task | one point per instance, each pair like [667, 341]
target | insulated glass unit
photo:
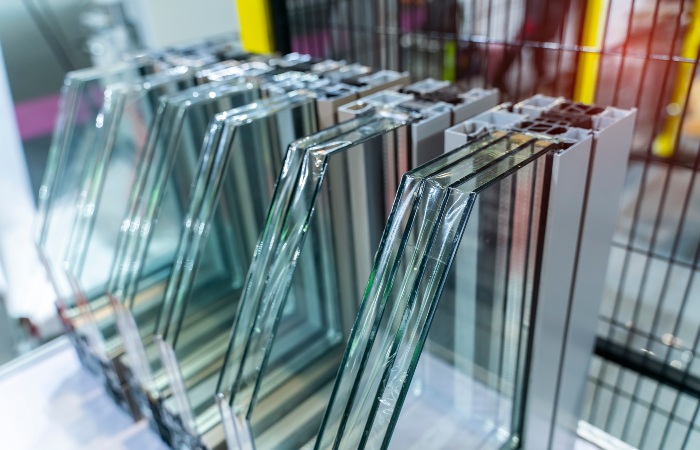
[454, 276]
[304, 284]
[243, 152]
[147, 237]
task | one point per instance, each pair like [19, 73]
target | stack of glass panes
[211, 231]
[183, 396]
[139, 146]
[513, 184]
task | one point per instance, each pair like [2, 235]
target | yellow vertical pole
[592, 43]
[449, 62]
[665, 142]
[256, 25]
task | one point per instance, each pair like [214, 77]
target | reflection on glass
[301, 294]
[479, 204]
[234, 182]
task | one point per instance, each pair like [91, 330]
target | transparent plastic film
[394, 296]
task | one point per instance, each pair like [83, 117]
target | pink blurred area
[37, 117]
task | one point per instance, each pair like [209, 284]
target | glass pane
[106, 183]
[243, 153]
[306, 278]
[82, 101]
[143, 265]
[468, 381]
[158, 200]
[450, 208]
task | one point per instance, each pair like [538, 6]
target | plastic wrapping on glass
[480, 204]
[162, 176]
[300, 296]
[243, 153]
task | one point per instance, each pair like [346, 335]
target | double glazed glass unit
[193, 316]
[99, 109]
[96, 120]
[443, 334]
[302, 291]
[143, 258]
[105, 119]
[123, 126]
[77, 129]
[518, 200]
[243, 151]
[326, 211]
[126, 145]
[82, 99]
[134, 152]
[336, 267]
[226, 245]
[104, 113]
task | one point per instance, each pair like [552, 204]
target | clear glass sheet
[162, 177]
[243, 153]
[289, 336]
[82, 101]
[461, 205]
[70, 156]
[72, 149]
[120, 159]
[107, 179]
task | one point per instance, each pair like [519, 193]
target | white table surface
[49, 402]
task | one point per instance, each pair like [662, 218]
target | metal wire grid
[649, 328]
[650, 314]
[475, 42]
[669, 418]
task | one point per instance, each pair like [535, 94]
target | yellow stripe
[256, 26]
[592, 41]
[665, 143]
